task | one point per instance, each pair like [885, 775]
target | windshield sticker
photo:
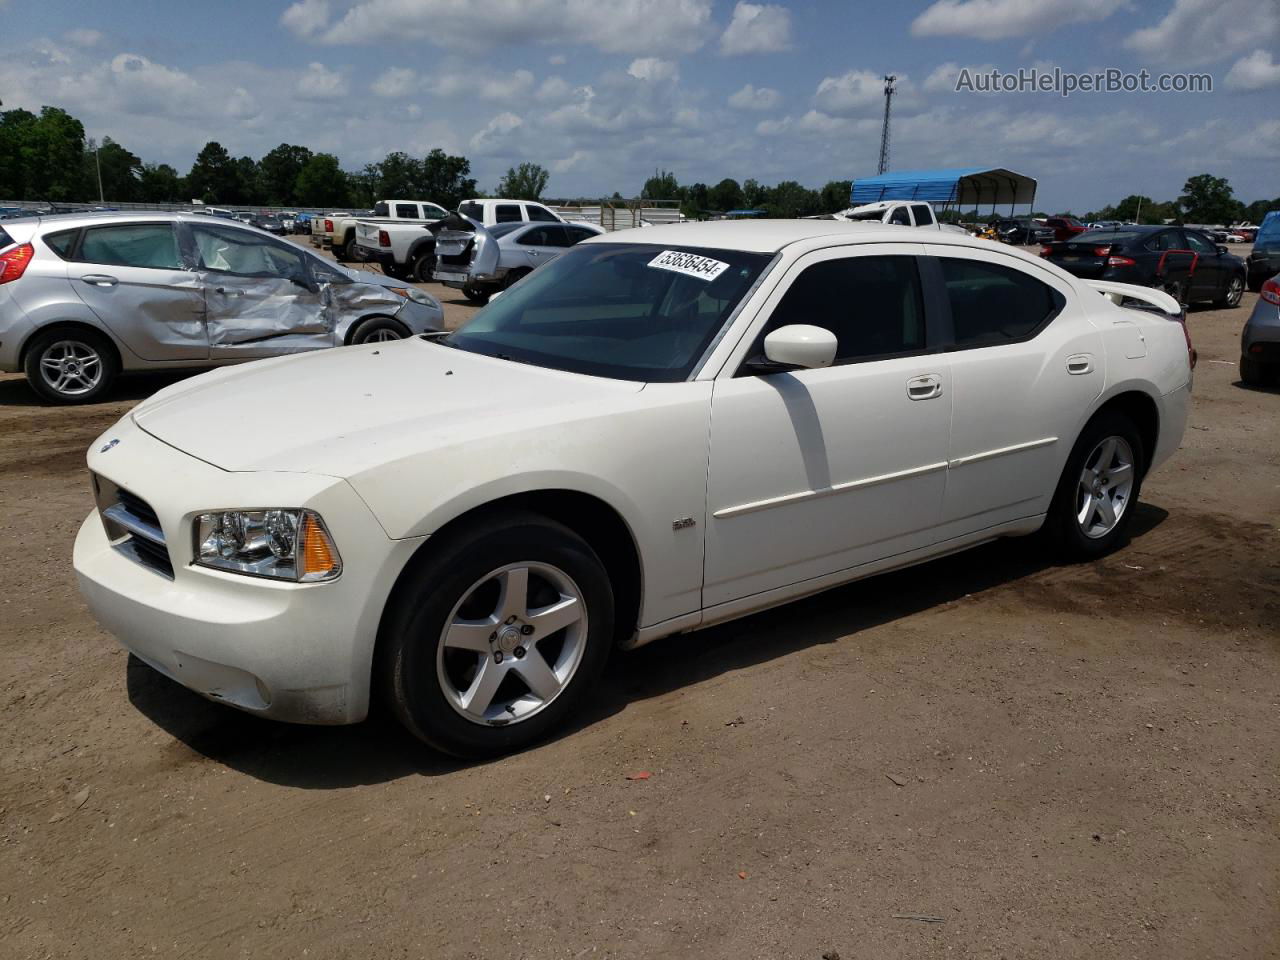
[690, 264]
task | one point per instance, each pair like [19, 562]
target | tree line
[784, 200]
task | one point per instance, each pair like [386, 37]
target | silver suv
[84, 297]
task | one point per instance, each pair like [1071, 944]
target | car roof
[91, 217]
[766, 236]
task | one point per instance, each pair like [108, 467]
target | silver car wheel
[511, 645]
[1106, 483]
[1235, 291]
[71, 367]
[381, 336]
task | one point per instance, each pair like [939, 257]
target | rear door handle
[1079, 364]
[924, 387]
[99, 280]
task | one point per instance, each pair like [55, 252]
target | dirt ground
[1047, 761]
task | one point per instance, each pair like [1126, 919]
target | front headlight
[414, 294]
[282, 544]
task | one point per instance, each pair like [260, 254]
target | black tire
[514, 277]
[49, 346]
[395, 271]
[424, 266]
[1252, 372]
[476, 294]
[412, 635]
[378, 330]
[1233, 293]
[340, 251]
[1062, 526]
[1174, 288]
[1255, 284]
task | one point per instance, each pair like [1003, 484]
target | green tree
[1208, 199]
[399, 177]
[1255, 211]
[753, 195]
[321, 182]
[54, 157]
[248, 181]
[525, 182]
[661, 186]
[213, 177]
[725, 195]
[120, 171]
[791, 199]
[835, 195]
[17, 133]
[160, 183]
[445, 179]
[278, 173]
[696, 202]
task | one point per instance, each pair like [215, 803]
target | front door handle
[1079, 364]
[924, 387]
[229, 293]
[99, 280]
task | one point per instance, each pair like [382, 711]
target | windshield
[628, 311]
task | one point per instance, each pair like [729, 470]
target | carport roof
[965, 186]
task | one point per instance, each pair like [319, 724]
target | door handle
[99, 280]
[925, 387]
[1079, 364]
[229, 293]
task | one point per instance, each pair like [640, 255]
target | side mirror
[801, 345]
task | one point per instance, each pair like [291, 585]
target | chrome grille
[132, 526]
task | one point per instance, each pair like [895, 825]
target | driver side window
[244, 254]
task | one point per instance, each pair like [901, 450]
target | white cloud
[1257, 71]
[395, 82]
[557, 59]
[1000, 19]
[554, 89]
[318, 82]
[487, 86]
[757, 28]
[850, 93]
[633, 26]
[83, 37]
[654, 70]
[494, 136]
[1202, 31]
[943, 78]
[755, 98]
[306, 18]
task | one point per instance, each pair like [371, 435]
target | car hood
[343, 411]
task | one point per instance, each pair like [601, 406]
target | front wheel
[1232, 295]
[1098, 492]
[379, 330]
[497, 637]
[71, 366]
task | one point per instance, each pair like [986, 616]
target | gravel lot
[1051, 761]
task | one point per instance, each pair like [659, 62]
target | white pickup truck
[906, 213]
[341, 231]
[407, 249]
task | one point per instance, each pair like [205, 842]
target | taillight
[1045, 251]
[1271, 292]
[1120, 262]
[1186, 335]
[328, 226]
[13, 263]
[1101, 251]
[384, 238]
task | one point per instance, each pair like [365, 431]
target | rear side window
[899, 215]
[506, 213]
[993, 304]
[540, 213]
[472, 210]
[1167, 240]
[60, 242]
[131, 245]
[407, 211]
[873, 305]
[537, 237]
[380, 210]
[923, 214]
[578, 234]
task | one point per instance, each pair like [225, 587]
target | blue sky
[602, 93]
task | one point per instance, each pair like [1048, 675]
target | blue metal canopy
[966, 187]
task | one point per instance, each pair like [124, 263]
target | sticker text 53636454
[690, 264]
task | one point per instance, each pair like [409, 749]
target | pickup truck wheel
[494, 640]
[1098, 492]
[70, 366]
[395, 271]
[476, 294]
[379, 330]
[423, 267]
[340, 251]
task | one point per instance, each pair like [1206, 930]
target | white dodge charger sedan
[659, 431]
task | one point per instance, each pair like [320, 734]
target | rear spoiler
[1118, 292]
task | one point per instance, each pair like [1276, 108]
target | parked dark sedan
[1184, 263]
[1024, 231]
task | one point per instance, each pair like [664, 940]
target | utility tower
[889, 81]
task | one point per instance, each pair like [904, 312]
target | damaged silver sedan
[84, 297]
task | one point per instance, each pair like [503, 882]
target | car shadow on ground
[379, 750]
[17, 392]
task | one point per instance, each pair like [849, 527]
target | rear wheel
[1098, 492]
[476, 294]
[513, 277]
[395, 271]
[1234, 292]
[71, 366]
[497, 638]
[1176, 289]
[341, 251]
[423, 267]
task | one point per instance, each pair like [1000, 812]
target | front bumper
[295, 652]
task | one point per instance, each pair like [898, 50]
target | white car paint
[740, 492]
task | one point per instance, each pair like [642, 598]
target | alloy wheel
[1235, 291]
[511, 645]
[381, 335]
[1106, 484]
[71, 367]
